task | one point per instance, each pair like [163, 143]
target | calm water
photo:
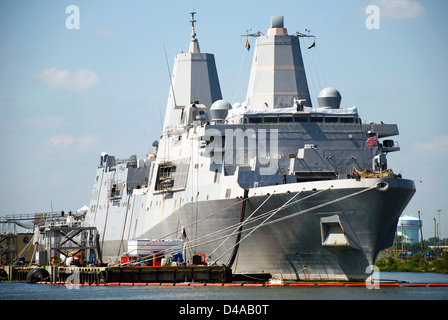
[25, 291]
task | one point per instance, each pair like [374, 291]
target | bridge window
[347, 120]
[255, 120]
[331, 119]
[285, 119]
[300, 119]
[316, 119]
[270, 119]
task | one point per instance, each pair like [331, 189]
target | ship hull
[327, 230]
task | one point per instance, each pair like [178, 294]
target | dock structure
[70, 241]
[171, 274]
[57, 236]
[15, 246]
[119, 274]
[66, 236]
[180, 276]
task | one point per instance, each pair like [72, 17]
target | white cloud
[436, 145]
[82, 80]
[48, 121]
[102, 32]
[88, 140]
[62, 140]
[401, 9]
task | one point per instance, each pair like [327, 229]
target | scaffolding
[65, 240]
[59, 238]
[69, 245]
[8, 248]
[10, 236]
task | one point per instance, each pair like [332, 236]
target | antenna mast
[193, 33]
[194, 45]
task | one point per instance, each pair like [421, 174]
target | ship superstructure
[271, 185]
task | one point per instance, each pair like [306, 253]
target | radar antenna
[193, 33]
[255, 34]
[302, 35]
[194, 45]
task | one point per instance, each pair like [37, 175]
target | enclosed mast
[194, 80]
[278, 74]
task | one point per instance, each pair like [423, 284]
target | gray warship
[272, 185]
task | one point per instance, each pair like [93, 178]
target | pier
[181, 276]
[214, 274]
[117, 274]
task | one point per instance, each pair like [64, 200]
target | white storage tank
[409, 227]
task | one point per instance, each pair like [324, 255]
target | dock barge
[169, 276]
[117, 274]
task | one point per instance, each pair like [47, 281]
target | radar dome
[219, 110]
[329, 98]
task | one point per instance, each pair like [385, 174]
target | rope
[175, 248]
[233, 256]
[265, 222]
[320, 206]
[192, 224]
[24, 249]
[253, 230]
[241, 224]
[243, 64]
[124, 226]
[132, 216]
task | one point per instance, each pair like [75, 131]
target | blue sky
[68, 95]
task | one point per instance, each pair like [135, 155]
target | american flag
[372, 141]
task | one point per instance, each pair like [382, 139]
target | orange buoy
[301, 284]
[381, 284]
[197, 284]
[126, 284]
[113, 284]
[438, 285]
[413, 285]
[329, 284]
[182, 284]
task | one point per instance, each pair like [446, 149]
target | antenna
[169, 75]
[255, 34]
[160, 116]
[193, 33]
[194, 45]
[302, 35]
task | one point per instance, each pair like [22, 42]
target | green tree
[439, 265]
